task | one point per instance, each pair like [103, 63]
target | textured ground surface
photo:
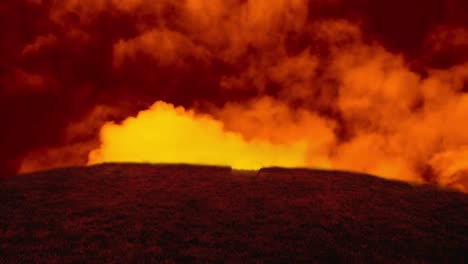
[145, 213]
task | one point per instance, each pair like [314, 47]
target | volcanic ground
[183, 213]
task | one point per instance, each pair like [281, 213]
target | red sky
[68, 66]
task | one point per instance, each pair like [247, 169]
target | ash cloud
[343, 74]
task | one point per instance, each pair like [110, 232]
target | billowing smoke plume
[372, 86]
[165, 134]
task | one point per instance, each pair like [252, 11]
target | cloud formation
[375, 87]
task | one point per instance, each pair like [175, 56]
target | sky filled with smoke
[372, 86]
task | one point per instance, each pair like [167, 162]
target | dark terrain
[181, 213]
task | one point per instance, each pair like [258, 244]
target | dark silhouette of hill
[183, 213]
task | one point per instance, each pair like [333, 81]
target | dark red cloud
[59, 61]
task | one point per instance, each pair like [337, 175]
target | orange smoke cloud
[329, 84]
[398, 124]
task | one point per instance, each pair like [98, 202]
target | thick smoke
[374, 86]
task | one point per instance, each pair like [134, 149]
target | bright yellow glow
[165, 134]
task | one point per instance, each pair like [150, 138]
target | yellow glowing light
[165, 134]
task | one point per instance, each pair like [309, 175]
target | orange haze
[400, 125]
[371, 86]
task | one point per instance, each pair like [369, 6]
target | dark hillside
[179, 213]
